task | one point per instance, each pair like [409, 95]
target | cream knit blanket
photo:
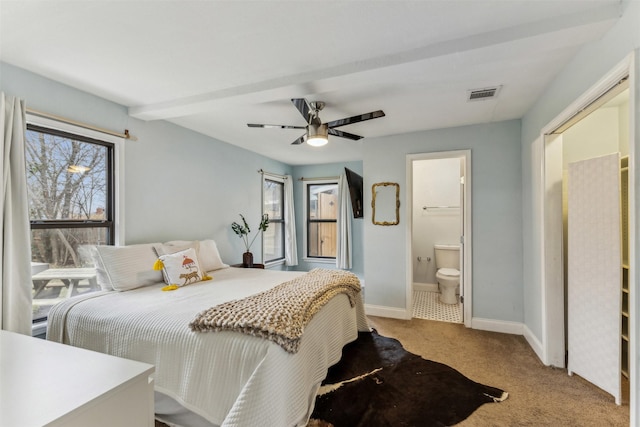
[281, 313]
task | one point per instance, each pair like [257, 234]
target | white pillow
[127, 267]
[101, 273]
[207, 253]
[182, 268]
[209, 256]
[176, 246]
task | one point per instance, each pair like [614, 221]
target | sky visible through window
[66, 178]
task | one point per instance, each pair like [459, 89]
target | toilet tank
[447, 256]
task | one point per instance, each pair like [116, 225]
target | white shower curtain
[290, 246]
[344, 252]
[15, 250]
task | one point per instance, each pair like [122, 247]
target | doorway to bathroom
[439, 246]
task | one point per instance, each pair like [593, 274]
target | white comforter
[228, 378]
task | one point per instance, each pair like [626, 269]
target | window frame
[117, 166]
[108, 222]
[280, 181]
[115, 191]
[307, 221]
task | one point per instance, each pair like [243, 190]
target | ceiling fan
[317, 132]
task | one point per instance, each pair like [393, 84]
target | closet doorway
[586, 184]
[439, 226]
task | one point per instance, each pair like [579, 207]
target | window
[70, 180]
[273, 205]
[321, 218]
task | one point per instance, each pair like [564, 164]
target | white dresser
[43, 383]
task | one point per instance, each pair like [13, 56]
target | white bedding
[227, 378]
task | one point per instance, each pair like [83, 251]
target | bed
[223, 378]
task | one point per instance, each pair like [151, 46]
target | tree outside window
[71, 204]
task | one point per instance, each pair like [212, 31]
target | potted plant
[243, 232]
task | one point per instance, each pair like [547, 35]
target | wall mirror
[385, 203]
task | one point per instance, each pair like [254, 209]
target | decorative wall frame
[385, 204]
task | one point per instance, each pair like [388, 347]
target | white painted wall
[594, 136]
[436, 182]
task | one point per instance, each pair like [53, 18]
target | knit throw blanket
[280, 314]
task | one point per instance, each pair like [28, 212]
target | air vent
[482, 94]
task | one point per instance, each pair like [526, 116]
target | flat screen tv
[355, 190]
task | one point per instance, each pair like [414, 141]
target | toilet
[448, 272]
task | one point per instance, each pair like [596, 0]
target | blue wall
[174, 190]
[179, 184]
[496, 216]
[590, 65]
[323, 171]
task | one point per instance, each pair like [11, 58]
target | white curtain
[15, 250]
[290, 246]
[344, 252]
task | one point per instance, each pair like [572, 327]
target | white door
[594, 272]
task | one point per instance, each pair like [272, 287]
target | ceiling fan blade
[343, 134]
[300, 140]
[254, 125]
[356, 119]
[303, 106]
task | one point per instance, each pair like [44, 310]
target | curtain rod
[318, 179]
[272, 174]
[124, 135]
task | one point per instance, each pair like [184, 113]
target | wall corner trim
[535, 344]
[382, 311]
[501, 326]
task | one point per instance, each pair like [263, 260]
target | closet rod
[124, 135]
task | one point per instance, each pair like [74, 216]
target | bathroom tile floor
[427, 305]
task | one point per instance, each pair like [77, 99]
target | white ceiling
[214, 66]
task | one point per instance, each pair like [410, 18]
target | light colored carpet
[538, 395]
[427, 305]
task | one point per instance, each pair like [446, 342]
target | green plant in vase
[243, 230]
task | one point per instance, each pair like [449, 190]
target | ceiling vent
[483, 94]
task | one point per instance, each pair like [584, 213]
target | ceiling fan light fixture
[318, 135]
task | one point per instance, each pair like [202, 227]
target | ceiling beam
[553, 27]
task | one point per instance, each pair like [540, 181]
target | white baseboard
[427, 287]
[502, 326]
[491, 325]
[382, 311]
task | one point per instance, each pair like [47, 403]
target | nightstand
[254, 266]
[46, 383]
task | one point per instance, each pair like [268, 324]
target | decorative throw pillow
[180, 269]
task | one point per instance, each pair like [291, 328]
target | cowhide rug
[378, 383]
